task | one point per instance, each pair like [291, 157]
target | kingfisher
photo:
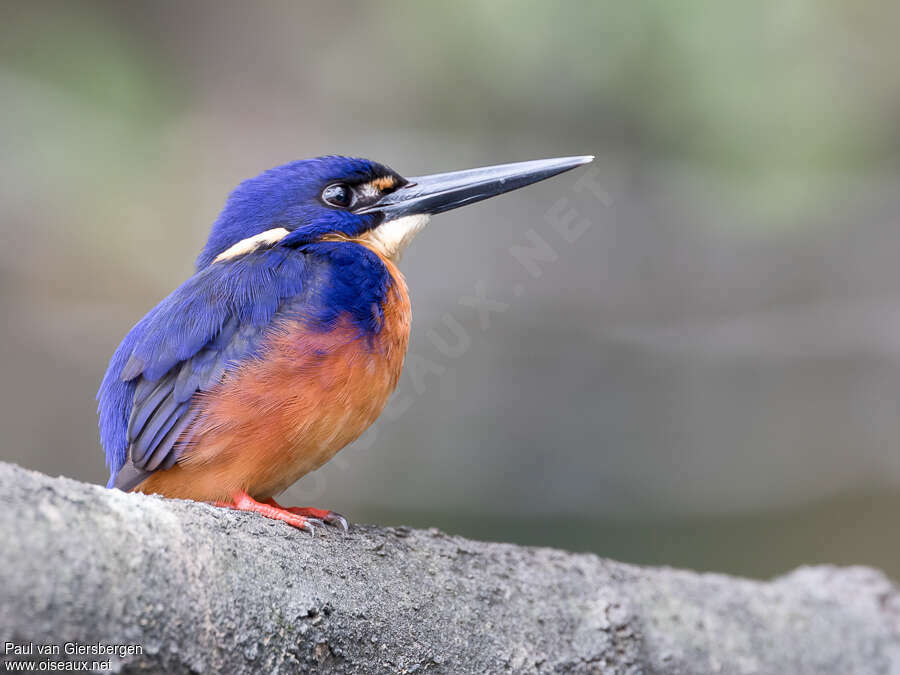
[287, 341]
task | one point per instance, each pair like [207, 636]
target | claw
[315, 521]
[337, 520]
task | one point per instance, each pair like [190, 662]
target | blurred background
[704, 372]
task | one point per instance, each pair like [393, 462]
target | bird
[288, 339]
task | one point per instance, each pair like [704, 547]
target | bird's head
[349, 198]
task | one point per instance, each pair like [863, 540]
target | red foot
[321, 515]
[241, 501]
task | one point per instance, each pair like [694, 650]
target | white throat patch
[391, 238]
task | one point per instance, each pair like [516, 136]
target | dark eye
[338, 194]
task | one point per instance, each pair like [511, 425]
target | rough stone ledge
[202, 589]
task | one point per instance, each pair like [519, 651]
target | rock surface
[207, 590]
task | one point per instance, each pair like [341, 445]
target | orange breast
[288, 412]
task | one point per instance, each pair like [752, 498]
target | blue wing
[212, 322]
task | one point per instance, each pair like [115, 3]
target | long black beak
[444, 191]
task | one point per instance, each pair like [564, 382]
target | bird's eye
[338, 194]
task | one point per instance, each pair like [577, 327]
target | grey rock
[208, 590]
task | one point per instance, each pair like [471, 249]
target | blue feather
[147, 445]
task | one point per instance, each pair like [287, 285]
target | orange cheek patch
[383, 183]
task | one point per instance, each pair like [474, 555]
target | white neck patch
[391, 238]
[249, 244]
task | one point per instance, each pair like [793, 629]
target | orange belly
[280, 416]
